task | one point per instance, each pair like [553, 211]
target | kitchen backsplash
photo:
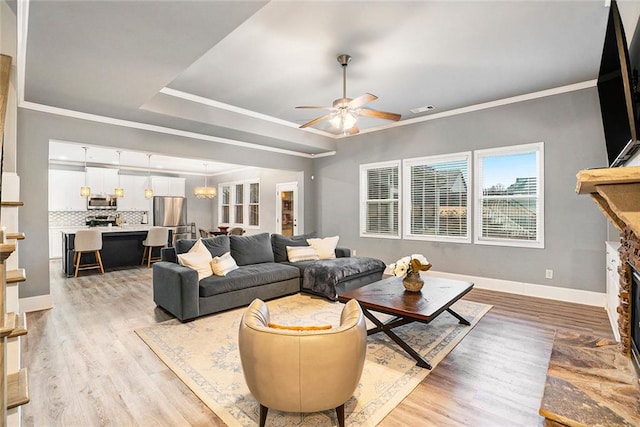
[78, 218]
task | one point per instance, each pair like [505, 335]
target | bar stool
[157, 237]
[87, 241]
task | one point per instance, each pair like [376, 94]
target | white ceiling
[238, 69]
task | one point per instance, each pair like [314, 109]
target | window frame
[479, 155]
[364, 168]
[407, 164]
[232, 205]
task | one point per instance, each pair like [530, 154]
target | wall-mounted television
[616, 90]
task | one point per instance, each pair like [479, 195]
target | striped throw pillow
[223, 264]
[301, 253]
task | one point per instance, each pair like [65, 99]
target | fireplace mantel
[616, 191]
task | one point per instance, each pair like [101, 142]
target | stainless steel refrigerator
[171, 212]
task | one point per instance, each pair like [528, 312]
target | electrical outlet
[354, 252]
[548, 273]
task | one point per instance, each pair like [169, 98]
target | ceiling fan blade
[379, 114]
[361, 100]
[316, 107]
[316, 120]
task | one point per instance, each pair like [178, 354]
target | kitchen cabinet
[134, 199]
[167, 186]
[102, 180]
[64, 191]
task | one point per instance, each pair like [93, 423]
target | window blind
[438, 196]
[381, 201]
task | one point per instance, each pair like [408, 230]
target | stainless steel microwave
[102, 202]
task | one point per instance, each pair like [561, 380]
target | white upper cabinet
[64, 191]
[102, 180]
[133, 199]
[168, 186]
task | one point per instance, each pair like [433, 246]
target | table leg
[462, 320]
[381, 327]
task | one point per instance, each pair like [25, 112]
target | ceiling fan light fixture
[344, 120]
[344, 112]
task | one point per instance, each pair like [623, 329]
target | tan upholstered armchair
[302, 371]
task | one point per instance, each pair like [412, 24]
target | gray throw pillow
[217, 245]
[253, 249]
[279, 244]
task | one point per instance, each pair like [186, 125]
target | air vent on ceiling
[422, 109]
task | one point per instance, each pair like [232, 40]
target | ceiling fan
[345, 111]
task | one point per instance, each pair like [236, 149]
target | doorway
[287, 208]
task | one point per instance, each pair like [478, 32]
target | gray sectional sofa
[264, 272]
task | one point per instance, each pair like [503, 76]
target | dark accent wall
[569, 125]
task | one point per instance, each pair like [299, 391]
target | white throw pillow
[302, 253]
[326, 248]
[223, 264]
[198, 258]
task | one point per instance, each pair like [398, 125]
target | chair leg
[99, 259]
[340, 414]
[144, 254]
[149, 259]
[78, 256]
[263, 414]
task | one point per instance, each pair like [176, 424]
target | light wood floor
[88, 368]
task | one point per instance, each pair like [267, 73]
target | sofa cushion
[217, 245]
[247, 276]
[222, 265]
[326, 248]
[254, 249]
[301, 253]
[279, 244]
[198, 258]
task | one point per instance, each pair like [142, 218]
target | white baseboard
[577, 296]
[37, 303]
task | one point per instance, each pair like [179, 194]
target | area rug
[204, 355]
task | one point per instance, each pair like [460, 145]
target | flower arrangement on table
[410, 264]
[409, 268]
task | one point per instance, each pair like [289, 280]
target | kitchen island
[121, 247]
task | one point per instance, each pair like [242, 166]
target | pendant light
[84, 190]
[148, 192]
[118, 191]
[205, 192]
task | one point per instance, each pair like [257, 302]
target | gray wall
[35, 129]
[204, 212]
[568, 124]
[571, 129]
[268, 180]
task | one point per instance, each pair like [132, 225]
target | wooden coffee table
[388, 296]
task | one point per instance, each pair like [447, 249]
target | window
[380, 199]
[509, 189]
[225, 201]
[436, 198]
[254, 204]
[239, 203]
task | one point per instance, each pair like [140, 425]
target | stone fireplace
[616, 191]
[629, 307]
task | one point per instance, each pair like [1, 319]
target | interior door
[287, 209]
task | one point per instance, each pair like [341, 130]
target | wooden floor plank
[87, 367]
